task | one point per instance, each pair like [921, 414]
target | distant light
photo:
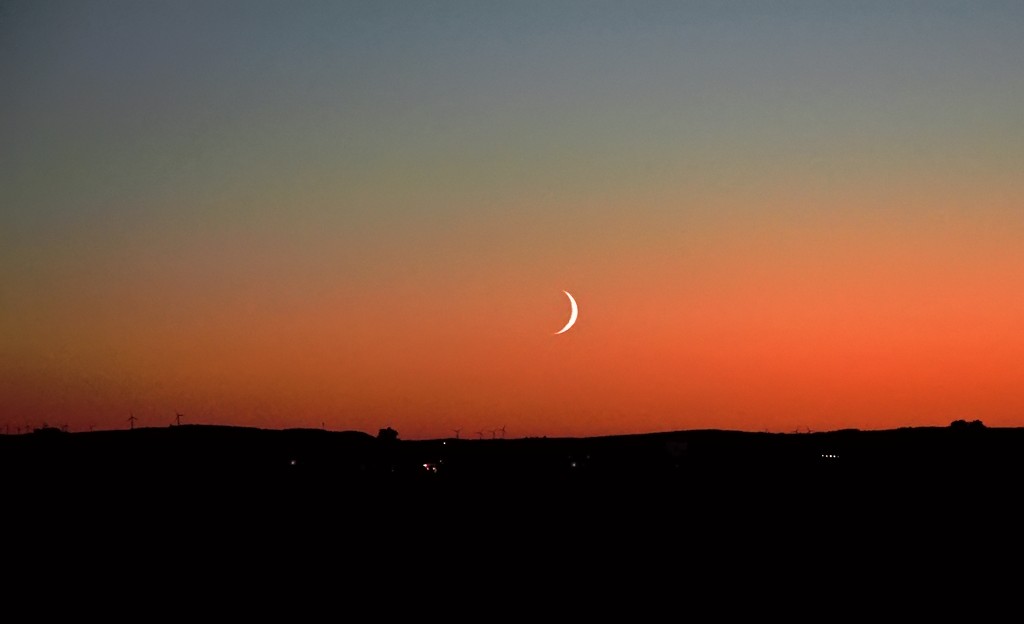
[292, 462]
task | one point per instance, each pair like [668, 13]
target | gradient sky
[774, 215]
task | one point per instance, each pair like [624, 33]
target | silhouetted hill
[702, 499]
[201, 455]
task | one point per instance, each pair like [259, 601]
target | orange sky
[830, 325]
[780, 219]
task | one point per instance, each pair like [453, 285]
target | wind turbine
[456, 433]
[131, 420]
[502, 430]
[177, 417]
[480, 434]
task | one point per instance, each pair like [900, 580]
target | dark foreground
[350, 475]
[730, 503]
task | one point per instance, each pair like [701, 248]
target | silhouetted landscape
[709, 502]
[673, 469]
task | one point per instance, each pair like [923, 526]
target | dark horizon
[702, 499]
[197, 446]
[46, 426]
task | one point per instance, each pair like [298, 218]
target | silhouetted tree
[963, 424]
[387, 434]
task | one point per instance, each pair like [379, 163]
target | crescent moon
[572, 317]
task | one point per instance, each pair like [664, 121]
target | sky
[774, 216]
